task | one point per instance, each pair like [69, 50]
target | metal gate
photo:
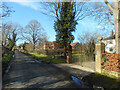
[84, 60]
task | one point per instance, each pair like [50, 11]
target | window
[110, 42]
[111, 49]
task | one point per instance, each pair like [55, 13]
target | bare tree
[107, 14]
[33, 32]
[9, 34]
[6, 10]
[87, 41]
[102, 14]
[53, 9]
[42, 41]
[116, 13]
[5, 34]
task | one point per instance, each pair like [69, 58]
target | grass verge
[102, 80]
[5, 61]
[44, 58]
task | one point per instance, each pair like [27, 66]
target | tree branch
[109, 19]
[56, 10]
[108, 4]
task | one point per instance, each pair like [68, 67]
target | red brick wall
[113, 63]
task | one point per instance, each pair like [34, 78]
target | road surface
[26, 73]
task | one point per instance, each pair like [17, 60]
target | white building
[110, 43]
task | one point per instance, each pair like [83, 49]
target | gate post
[98, 56]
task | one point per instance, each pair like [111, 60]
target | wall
[112, 62]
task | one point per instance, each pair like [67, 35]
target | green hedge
[5, 60]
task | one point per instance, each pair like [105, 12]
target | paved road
[26, 73]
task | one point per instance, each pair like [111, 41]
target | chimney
[111, 32]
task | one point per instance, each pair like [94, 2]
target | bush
[6, 59]
[4, 50]
[41, 51]
[104, 59]
[51, 53]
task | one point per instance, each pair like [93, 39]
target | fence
[78, 57]
[84, 60]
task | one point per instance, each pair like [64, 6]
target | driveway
[26, 73]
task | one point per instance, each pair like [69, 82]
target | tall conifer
[65, 25]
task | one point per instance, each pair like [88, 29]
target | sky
[27, 11]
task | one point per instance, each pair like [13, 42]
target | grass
[44, 58]
[102, 80]
[76, 55]
[5, 60]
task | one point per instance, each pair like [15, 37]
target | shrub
[6, 59]
[41, 51]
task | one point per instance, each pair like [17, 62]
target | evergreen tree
[65, 25]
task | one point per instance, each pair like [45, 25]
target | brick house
[52, 46]
[75, 46]
[55, 46]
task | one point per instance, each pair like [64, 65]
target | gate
[84, 60]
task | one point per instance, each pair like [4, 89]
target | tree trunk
[69, 57]
[33, 47]
[65, 51]
[117, 25]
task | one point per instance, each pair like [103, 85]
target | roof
[54, 41]
[109, 38]
[73, 44]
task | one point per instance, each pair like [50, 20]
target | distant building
[55, 46]
[21, 46]
[15, 47]
[75, 46]
[28, 47]
[52, 46]
[110, 43]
